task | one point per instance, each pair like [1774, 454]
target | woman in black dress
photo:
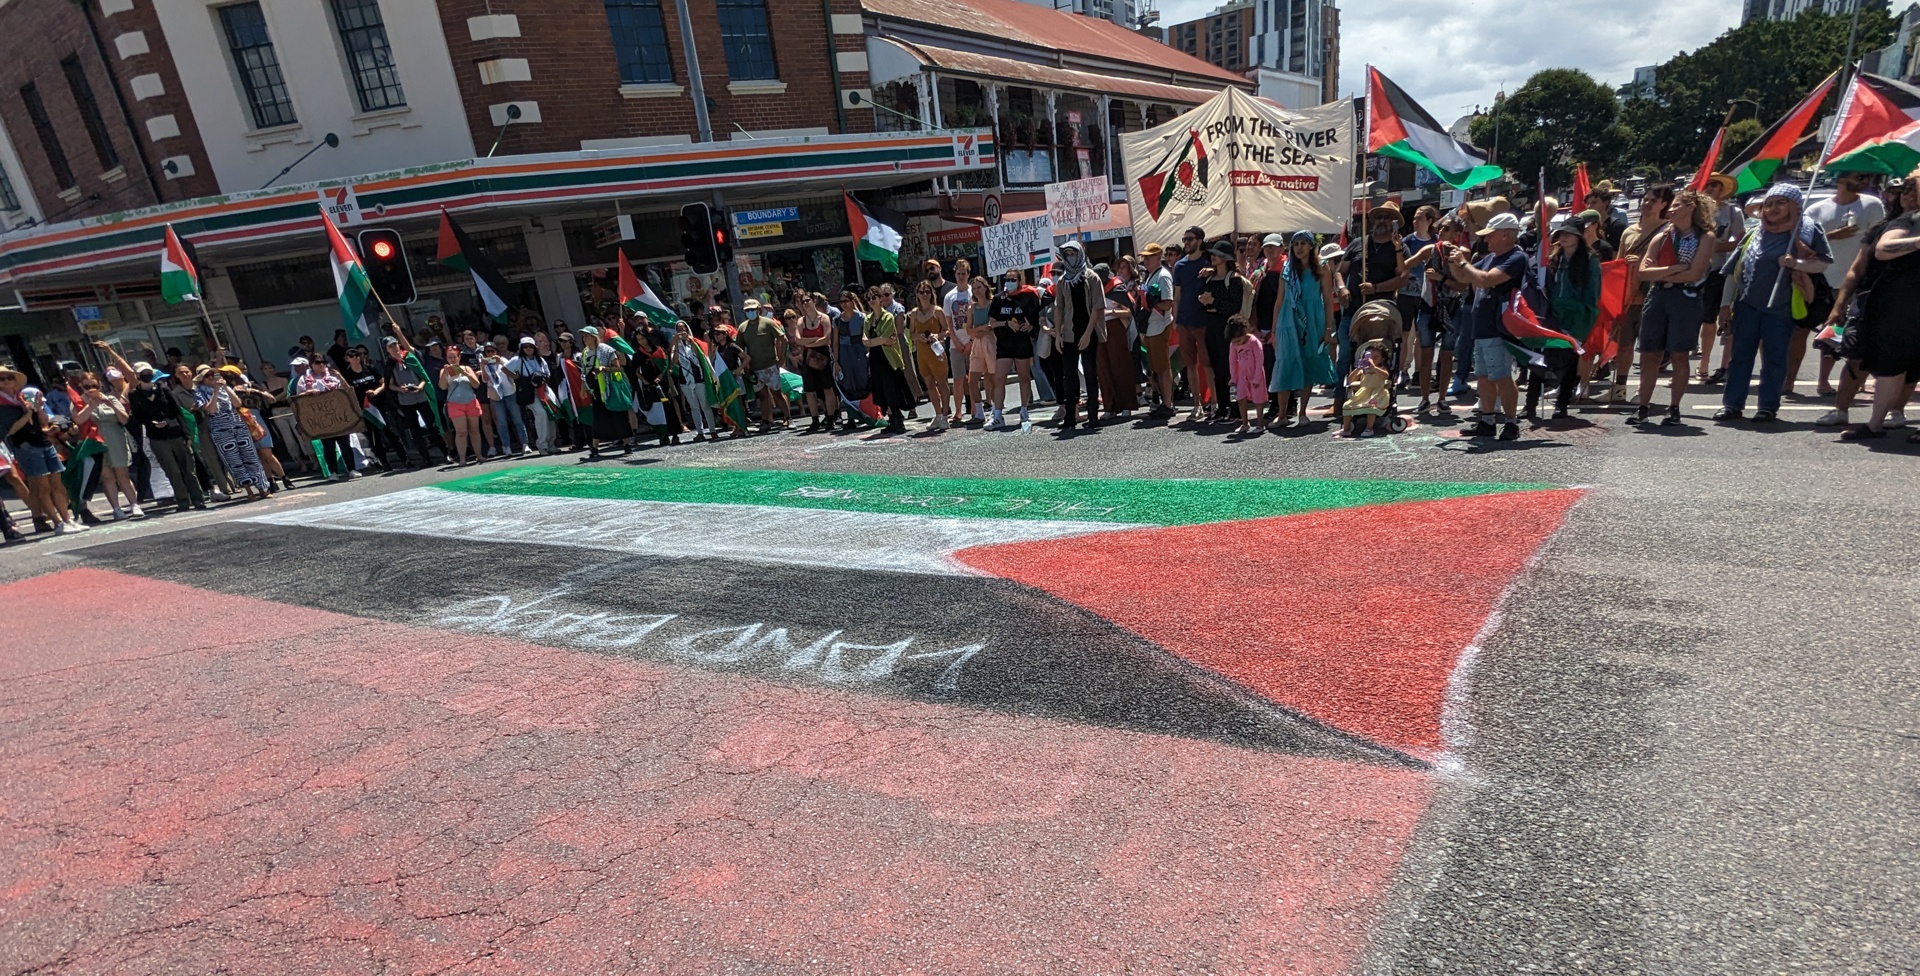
[1889, 341]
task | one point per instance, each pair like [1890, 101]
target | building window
[640, 42]
[49, 139]
[369, 57]
[259, 67]
[9, 200]
[749, 41]
[89, 111]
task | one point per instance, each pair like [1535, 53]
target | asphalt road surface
[1140, 700]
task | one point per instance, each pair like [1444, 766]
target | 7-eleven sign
[340, 205]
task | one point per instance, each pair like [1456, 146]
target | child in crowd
[1370, 390]
[1247, 369]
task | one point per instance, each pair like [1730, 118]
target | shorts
[768, 378]
[1492, 360]
[1159, 358]
[1009, 344]
[1193, 337]
[1670, 321]
[35, 462]
[1710, 310]
[471, 408]
[816, 380]
[1410, 307]
[1626, 328]
[983, 353]
[1427, 324]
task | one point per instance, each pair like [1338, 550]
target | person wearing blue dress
[1300, 328]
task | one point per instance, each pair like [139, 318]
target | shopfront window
[1079, 131]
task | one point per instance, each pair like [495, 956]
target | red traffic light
[383, 249]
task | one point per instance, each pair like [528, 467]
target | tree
[1560, 117]
[1773, 62]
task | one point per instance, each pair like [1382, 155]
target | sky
[1447, 58]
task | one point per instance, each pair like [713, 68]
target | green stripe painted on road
[1103, 500]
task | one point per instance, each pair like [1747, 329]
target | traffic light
[723, 240]
[385, 257]
[700, 239]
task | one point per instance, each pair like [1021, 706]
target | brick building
[535, 123]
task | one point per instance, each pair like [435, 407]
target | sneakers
[1640, 415]
[219, 496]
[1484, 429]
[136, 513]
[1896, 418]
[1672, 419]
[1837, 417]
[999, 419]
[1511, 432]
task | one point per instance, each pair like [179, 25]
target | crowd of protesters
[1243, 331]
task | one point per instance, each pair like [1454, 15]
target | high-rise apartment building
[1122, 12]
[1752, 10]
[1220, 37]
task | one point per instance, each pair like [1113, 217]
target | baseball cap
[1501, 221]
[1273, 240]
[751, 305]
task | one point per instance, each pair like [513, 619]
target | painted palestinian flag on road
[350, 283]
[1398, 127]
[1355, 639]
[1875, 130]
[179, 280]
[638, 299]
[873, 239]
[1754, 168]
[457, 251]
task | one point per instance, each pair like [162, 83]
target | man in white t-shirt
[1846, 217]
[1159, 297]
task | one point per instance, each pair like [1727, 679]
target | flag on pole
[1398, 127]
[1581, 188]
[638, 299]
[1545, 230]
[728, 399]
[1753, 168]
[1874, 132]
[458, 252]
[873, 239]
[179, 279]
[1613, 304]
[1700, 176]
[349, 283]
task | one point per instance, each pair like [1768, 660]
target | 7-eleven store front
[548, 222]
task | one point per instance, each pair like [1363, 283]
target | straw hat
[1722, 186]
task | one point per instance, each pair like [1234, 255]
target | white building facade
[269, 80]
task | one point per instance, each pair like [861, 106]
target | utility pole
[696, 85]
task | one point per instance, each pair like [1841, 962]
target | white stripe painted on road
[752, 533]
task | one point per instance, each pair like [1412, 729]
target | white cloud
[1451, 55]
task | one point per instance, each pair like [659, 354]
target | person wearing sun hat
[1759, 297]
[1373, 267]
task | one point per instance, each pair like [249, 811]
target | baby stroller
[1380, 319]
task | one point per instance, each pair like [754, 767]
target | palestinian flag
[1064, 552]
[1754, 168]
[1521, 329]
[724, 391]
[1875, 129]
[1185, 166]
[638, 299]
[457, 251]
[570, 403]
[873, 239]
[179, 280]
[349, 283]
[1701, 175]
[1398, 127]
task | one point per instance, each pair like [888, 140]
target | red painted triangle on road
[1353, 617]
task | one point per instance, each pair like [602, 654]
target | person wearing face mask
[1015, 316]
[1079, 322]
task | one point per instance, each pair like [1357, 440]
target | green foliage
[1739, 135]
[1775, 63]
[1558, 118]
